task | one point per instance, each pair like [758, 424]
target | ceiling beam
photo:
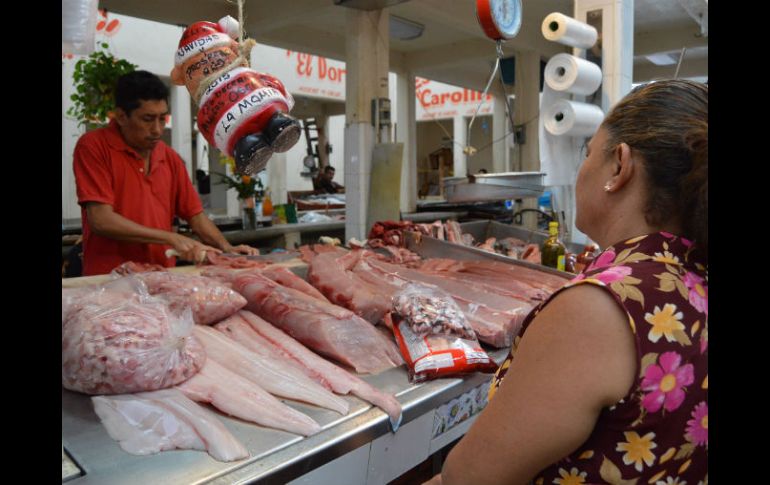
[472, 76]
[169, 12]
[454, 53]
[668, 40]
[326, 44]
[263, 17]
[692, 68]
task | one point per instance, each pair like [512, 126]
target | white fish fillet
[239, 397]
[340, 380]
[149, 422]
[273, 376]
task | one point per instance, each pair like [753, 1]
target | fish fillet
[273, 376]
[239, 397]
[340, 380]
[149, 422]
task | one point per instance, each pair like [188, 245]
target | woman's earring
[607, 187]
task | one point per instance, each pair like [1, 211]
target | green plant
[95, 77]
[245, 185]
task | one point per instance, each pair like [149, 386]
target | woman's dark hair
[666, 123]
[137, 86]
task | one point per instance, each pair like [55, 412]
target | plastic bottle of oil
[552, 251]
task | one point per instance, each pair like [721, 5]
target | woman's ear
[622, 168]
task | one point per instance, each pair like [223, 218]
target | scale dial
[500, 19]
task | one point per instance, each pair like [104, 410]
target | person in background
[323, 184]
[608, 380]
[131, 185]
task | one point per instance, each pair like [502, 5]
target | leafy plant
[245, 185]
[95, 77]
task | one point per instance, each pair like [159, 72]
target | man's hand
[242, 249]
[190, 249]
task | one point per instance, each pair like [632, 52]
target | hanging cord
[240, 19]
[244, 54]
[679, 64]
[508, 110]
[469, 150]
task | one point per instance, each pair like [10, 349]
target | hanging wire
[508, 110]
[469, 150]
[679, 64]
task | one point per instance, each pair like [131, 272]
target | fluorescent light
[403, 29]
[661, 59]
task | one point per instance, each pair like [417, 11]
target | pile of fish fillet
[151, 347]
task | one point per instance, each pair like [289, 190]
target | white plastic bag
[78, 26]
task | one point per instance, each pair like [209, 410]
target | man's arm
[105, 222]
[210, 234]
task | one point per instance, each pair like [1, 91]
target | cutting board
[385, 185]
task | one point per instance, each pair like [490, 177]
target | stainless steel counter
[260, 233]
[276, 456]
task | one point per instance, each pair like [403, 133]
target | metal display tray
[494, 186]
[430, 247]
[482, 230]
[275, 456]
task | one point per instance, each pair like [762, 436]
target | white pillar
[366, 51]
[322, 122]
[500, 126]
[276, 179]
[460, 140]
[526, 113]
[617, 38]
[181, 125]
[406, 133]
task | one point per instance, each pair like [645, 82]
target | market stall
[359, 445]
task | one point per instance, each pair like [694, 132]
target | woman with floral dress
[608, 380]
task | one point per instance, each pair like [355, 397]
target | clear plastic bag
[209, 299]
[310, 217]
[118, 339]
[430, 311]
[434, 356]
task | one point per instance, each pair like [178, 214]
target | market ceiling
[452, 47]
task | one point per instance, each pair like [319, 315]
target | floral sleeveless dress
[658, 433]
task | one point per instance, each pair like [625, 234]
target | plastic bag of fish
[116, 339]
[433, 335]
[430, 311]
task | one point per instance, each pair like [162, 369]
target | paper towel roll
[565, 72]
[565, 30]
[571, 118]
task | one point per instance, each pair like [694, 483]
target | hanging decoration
[244, 113]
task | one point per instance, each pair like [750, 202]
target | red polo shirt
[110, 172]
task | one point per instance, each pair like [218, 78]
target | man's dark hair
[137, 86]
[328, 169]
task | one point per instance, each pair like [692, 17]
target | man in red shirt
[130, 185]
